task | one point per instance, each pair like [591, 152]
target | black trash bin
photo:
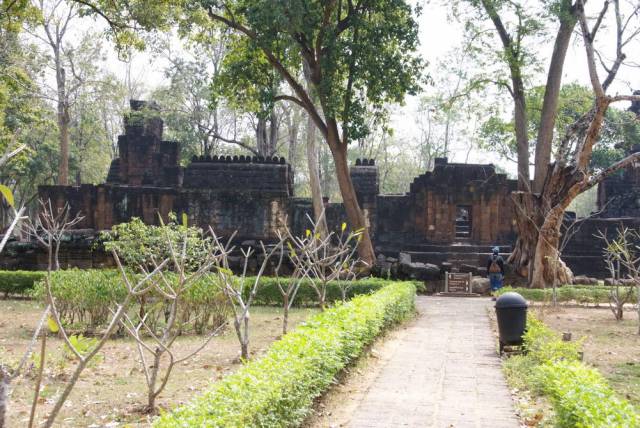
[511, 312]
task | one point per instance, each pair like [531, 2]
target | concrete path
[444, 372]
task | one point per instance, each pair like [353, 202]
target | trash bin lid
[511, 300]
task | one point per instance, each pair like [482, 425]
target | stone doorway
[463, 222]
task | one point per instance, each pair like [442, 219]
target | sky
[438, 36]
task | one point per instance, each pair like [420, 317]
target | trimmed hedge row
[18, 281]
[568, 293]
[269, 294]
[581, 397]
[278, 389]
[85, 296]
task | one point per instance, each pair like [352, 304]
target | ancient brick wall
[428, 212]
[271, 176]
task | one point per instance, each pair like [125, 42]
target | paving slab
[444, 372]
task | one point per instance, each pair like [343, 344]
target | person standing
[495, 269]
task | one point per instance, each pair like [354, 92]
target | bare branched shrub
[157, 341]
[327, 258]
[50, 227]
[240, 293]
[623, 260]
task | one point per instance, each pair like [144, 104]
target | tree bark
[522, 139]
[261, 136]
[551, 96]
[314, 178]
[529, 217]
[355, 216]
[63, 127]
[285, 314]
[548, 267]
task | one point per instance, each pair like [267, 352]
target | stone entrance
[463, 222]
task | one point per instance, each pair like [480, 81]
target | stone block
[585, 280]
[480, 285]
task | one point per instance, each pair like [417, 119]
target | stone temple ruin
[448, 220]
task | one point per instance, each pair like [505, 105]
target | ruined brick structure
[449, 219]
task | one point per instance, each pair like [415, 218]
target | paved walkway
[444, 372]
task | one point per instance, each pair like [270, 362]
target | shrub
[83, 298]
[568, 293]
[581, 397]
[18, 281]
[278, 389]
[269, 295]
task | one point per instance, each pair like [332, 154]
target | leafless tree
[52, 228]
[326, 258]
[618, 296]
[235, 287]
[159, 344]
[49, 228]
[8, 374]
[624, 249]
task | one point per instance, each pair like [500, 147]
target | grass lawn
[113, 389]
[611, 346]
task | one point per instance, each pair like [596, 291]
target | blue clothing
[495, 280]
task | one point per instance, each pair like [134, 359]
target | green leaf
[8, 194]
[53, 325]
[185, 220]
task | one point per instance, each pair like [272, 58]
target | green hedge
[84, 298]
[580, 395]
[269, 294]
[278, 389]
[568, 293]
[18, 281]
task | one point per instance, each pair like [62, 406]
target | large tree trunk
[548, 268]
[551, 95]
[355, 216]
[529, 217]
[314, 178]
[522, 140]
[261, 137]
[63, 128]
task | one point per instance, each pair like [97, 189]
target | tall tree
[541, 205]
[56, 17]
[357, 52]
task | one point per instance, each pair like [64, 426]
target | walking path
[442, 372]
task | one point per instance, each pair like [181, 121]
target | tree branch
[295, 85]
[594, 180]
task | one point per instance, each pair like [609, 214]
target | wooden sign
[457, 283]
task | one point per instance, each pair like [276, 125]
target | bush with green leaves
[83, 299]
[84, 296]
[580, 395]
[569, 293]
[278, 390]
[269, 295]
[18, 281]
[139, 244]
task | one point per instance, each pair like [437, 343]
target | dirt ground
[611, 346]
[111, 391]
